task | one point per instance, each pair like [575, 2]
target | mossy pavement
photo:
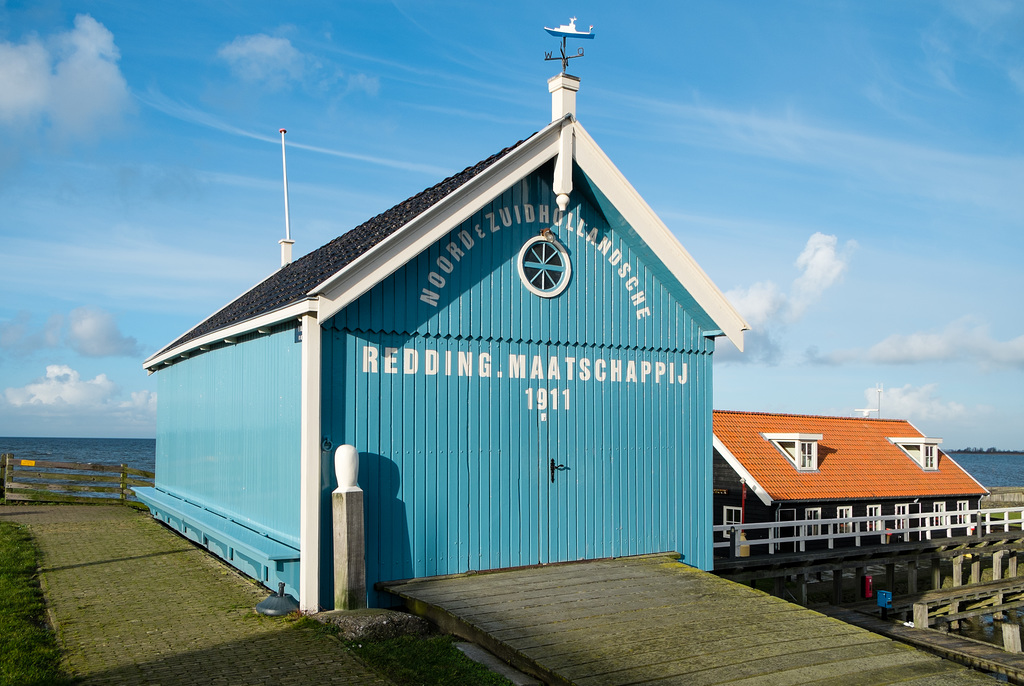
[133, 603]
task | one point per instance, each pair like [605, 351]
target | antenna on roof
[567, 31]
[287, 242]
[877, 410]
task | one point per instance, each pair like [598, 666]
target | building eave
[293, 311]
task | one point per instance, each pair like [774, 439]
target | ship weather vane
[567, 31]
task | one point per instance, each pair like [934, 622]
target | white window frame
[961, 507]
[812, 529]
[874, 511]
[922, 450]
[938, 518]
[844, 512]
[902, 513]
[731, 516]
[800, 449]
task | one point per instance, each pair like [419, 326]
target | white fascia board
[600, 169]
[792, 437]
[406, 243]
[923, 440]
[294, 311]
[751, 482]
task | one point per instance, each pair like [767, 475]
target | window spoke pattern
[544, 267]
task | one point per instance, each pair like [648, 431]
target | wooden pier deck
[977, 654]
[646, 620]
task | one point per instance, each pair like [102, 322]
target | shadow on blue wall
[387, 528]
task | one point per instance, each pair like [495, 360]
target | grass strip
[417, 660]
[28, 648]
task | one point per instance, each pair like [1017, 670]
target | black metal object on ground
[279, 604]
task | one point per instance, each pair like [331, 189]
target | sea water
[993, 469]
[139, 453]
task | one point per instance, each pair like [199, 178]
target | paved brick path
[136, 604]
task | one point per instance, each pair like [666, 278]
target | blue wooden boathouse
[521, 354]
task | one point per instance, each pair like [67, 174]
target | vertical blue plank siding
[231, 442]
[456, 440]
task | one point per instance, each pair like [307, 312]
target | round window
[544, 266]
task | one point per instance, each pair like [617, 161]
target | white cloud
[93, 332]
[24, 80]
[917, 404]
[20, 337]
[366, 84]
[63, 388]
[759, 304]
[70, 84]
[81, 406]
[767, 309]
[821, 267]
[264, 59]
[962, 339]
[89, 331]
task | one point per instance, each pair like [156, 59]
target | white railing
[793, 536]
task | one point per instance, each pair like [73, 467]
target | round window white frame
[566, 274]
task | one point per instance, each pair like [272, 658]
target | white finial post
[346, 467]
[287, 242]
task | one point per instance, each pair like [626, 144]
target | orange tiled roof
[855, 459]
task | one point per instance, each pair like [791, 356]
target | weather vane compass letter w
[567, 31]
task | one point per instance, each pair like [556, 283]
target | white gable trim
[388, 256]
[391, 254]
[600, 169]
[751, 482]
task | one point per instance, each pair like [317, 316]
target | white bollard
[349, 545]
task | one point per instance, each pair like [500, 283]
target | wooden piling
[920, 615]
[1011, 638]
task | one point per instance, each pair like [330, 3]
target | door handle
[555, 468]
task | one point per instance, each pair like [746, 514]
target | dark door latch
[555, 468]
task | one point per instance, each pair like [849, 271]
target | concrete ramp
[647, 620]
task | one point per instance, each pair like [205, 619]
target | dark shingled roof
[294, 281]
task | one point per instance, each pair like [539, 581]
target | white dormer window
[923, 451]
[800, 449]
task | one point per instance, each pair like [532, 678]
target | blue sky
[850, 174]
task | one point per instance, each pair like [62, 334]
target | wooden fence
[793, 536]
[70, 482]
